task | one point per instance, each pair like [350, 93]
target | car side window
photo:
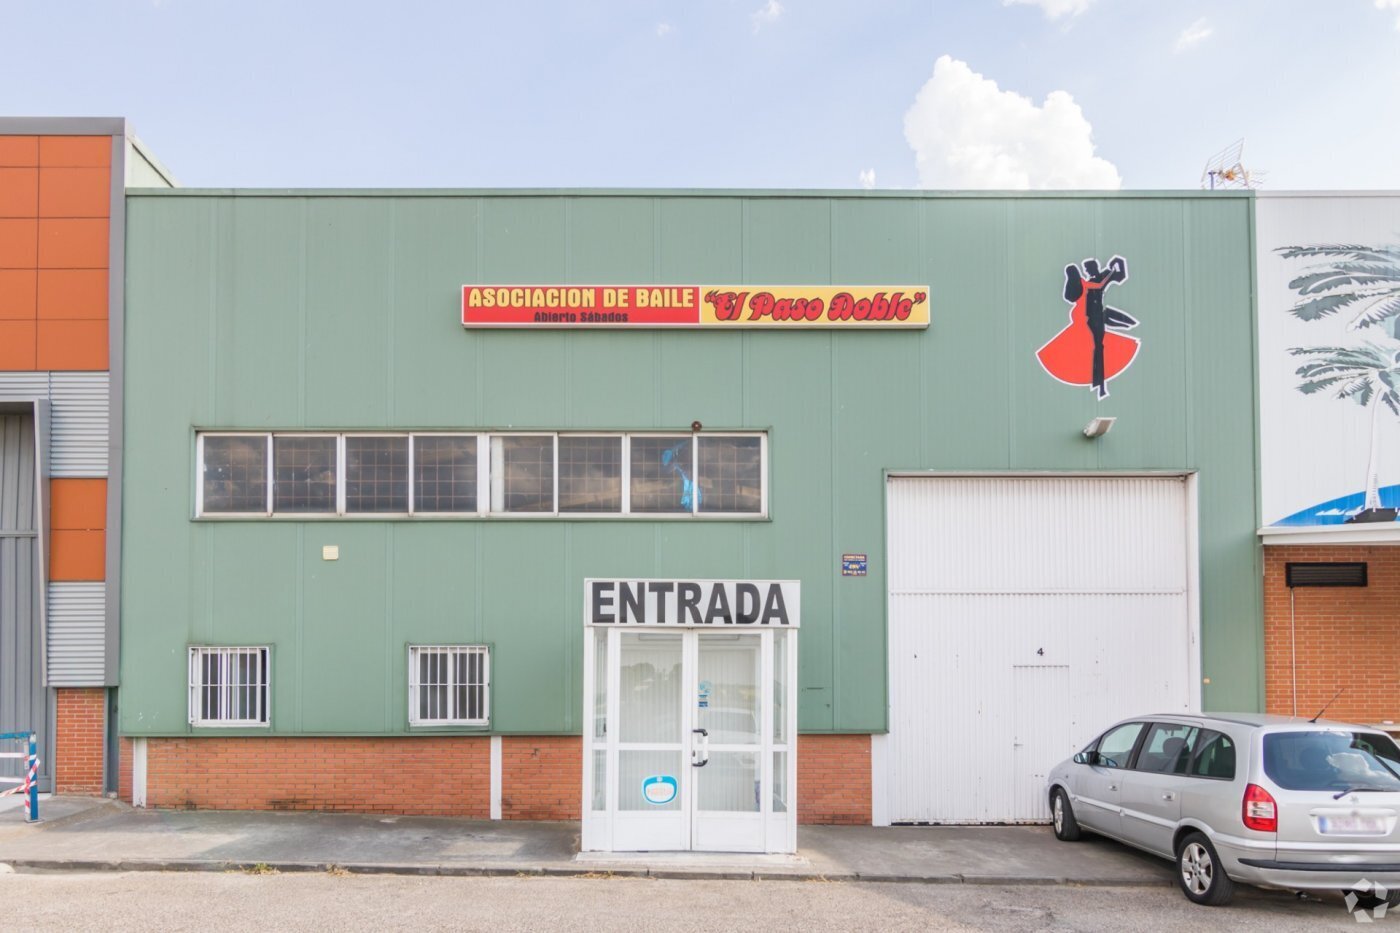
[1167, 748]
[1215, 756]
[1116, 746]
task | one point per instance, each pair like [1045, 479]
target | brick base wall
[833, 779]
[1341, 637]
[79, 744]
[419, 775]
[541, 777]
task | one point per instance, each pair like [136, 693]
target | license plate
[1351, 825]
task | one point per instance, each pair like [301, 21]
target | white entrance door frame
[684, 716]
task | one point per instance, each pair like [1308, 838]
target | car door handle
[1113, 787]
[1169, 796]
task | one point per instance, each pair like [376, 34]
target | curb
[25, 865]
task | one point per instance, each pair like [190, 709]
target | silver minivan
[1269, 800]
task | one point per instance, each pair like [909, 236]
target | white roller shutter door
[1025, 614]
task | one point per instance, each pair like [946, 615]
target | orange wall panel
[18, 243]
[74, 192]
[72, 294]
[95, 151]
[19, 192]
[18, 294]
[77, 555]
[78, 504]
[72, 244]
[72, 345]
[17, 345]
[19, 150]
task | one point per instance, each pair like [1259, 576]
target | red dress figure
[1090, 351]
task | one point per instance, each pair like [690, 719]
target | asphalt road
[239, 901]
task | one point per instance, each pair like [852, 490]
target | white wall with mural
[1329, 360]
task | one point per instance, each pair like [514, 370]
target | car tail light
[1259, 811]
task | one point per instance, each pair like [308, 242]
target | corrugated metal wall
[77, 634]
[23, 697]
[1026, 614]
[78, 447]
[78, 441]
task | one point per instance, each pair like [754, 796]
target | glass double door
[691, 744]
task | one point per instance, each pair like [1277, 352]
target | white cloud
[766, 15]
[1390, 5]
[1054, 9]
[968, 133]
[867, 178]
[663, 30]
[1195, 34]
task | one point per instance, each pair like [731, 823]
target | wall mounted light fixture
[1098, 427]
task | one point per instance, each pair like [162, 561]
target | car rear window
[1333, 760]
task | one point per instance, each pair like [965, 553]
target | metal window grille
[448, 685]
[229, 686]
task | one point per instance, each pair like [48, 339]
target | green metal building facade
[300, 310]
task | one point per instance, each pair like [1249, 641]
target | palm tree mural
[1364, 283]
[1367, 375]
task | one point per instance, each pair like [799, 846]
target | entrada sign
[772, 603]
[707, 306]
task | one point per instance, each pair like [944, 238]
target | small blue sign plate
[854, 565]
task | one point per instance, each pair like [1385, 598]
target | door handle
[1169, 796]
[1113, 787]
[702, 748]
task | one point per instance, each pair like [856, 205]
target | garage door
[1025, 614]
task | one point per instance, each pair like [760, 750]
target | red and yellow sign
[707, 306]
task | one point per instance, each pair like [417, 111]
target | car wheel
[1200, 874]
[1062, 816]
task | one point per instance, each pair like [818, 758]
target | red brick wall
[1345, 637]
[541, 777]
[833, 779]
[124, 772]
[421, 775]
[82, 723]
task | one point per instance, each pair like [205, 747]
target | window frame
[339, 493]
[342, 480]
[483, 469]
[199, 474]
[195, 684]
[415, 652]
[484, 477]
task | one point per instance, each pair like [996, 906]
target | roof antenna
[1226, 169]
[1329, 704]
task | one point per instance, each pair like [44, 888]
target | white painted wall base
[495, 777]
[138, 772]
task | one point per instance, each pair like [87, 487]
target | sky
[1135, 94]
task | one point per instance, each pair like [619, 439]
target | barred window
[663, 473]
[590, 474]
[303, 473]
[376, 474]
[235, 473]
[444, 473]
[448, 685]
[229, 686]
[522, 473]
[730, 470]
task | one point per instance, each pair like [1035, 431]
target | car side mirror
[1086, 758]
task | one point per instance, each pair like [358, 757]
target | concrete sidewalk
[88, 834]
